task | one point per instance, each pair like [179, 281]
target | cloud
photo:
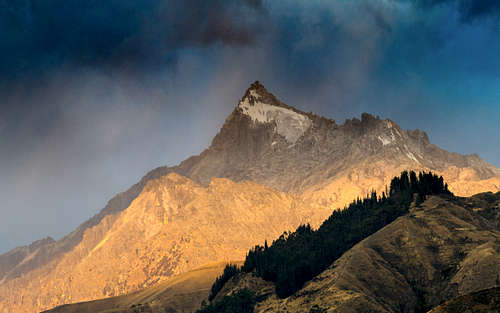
[95, 93]
[470, 10]
[201, 22]
[38, 36]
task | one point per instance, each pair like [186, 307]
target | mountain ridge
[173, 226]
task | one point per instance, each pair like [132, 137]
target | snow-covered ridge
[289, 124]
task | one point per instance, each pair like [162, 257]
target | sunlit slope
[173, 226]
[182, 293]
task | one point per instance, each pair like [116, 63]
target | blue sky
[96, 93]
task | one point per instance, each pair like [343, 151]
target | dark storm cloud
[470, 10]
[95, 93]
[37, 36]
[205, 22]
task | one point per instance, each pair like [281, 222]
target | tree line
[296, 257]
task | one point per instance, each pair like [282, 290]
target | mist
[104, 93]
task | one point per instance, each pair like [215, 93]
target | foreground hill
[181, 293]
[484, 301]
[442, 249]
[264, 143]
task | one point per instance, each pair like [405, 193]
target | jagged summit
[261, 107]
[274, 144]
[267, 141]
[258, 91]
[256, 87]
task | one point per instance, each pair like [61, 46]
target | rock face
[441, 250]
[312, 159]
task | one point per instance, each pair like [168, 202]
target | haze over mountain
[270, 168]
[94, 94]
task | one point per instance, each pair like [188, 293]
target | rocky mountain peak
[261, 107]
[256, 88]
[264, 136]
[258, 93]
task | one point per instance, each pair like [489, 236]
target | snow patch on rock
[289, 124]
[385, 141]
[411, 156]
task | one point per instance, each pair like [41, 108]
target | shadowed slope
[484, 301]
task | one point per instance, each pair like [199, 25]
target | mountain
[271, 143]
[181, 293]
[442, 249]
[173, 226]
[275, 160]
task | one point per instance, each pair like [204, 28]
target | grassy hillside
[484, 301]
